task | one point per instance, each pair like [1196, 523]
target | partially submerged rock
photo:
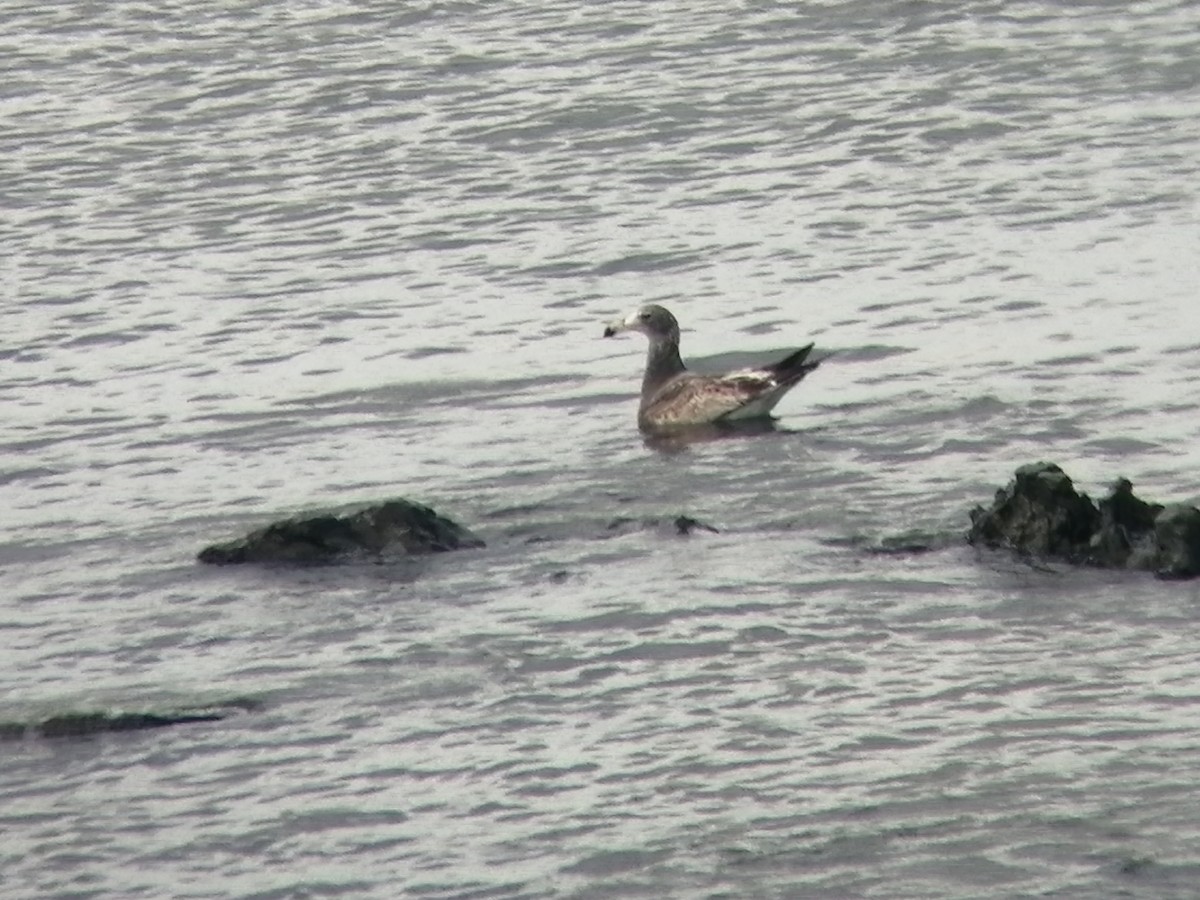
[1177, 535]
[84, 724]
[379, 531]
[681, 525]
[685, 525]
[1041, 514]
[1126, 537]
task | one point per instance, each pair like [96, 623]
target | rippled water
[261, 258]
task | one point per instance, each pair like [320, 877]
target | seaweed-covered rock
[378, 531]
[1041, 514]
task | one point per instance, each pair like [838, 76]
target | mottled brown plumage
[673, 397]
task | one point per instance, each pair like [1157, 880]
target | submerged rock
[1041, 514]
[907, 543]
[378, 531]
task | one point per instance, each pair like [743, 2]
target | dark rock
[1125, 538]
[1177, 540]
[379, 531]
[79, 724]
[83, 724]
[1041, 514]
[680, 525]
[686, 525]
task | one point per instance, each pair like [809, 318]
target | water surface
[274, 257]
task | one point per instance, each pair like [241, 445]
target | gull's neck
[662, 364]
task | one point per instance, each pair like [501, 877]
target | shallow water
[273, 257]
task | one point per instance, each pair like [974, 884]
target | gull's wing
[691, 399]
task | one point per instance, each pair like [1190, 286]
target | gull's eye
[644, 315]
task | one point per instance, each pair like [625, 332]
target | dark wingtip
[796, 365]
[609, 331]
[795, 359]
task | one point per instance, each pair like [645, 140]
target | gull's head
[652, 320]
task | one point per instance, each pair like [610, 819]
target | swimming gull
[673, 397]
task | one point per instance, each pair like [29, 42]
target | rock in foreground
[1041, 514]
[394, 528]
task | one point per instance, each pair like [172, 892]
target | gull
[673, 397]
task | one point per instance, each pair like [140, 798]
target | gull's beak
[616, 326]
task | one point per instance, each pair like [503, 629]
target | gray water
[264, 258]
